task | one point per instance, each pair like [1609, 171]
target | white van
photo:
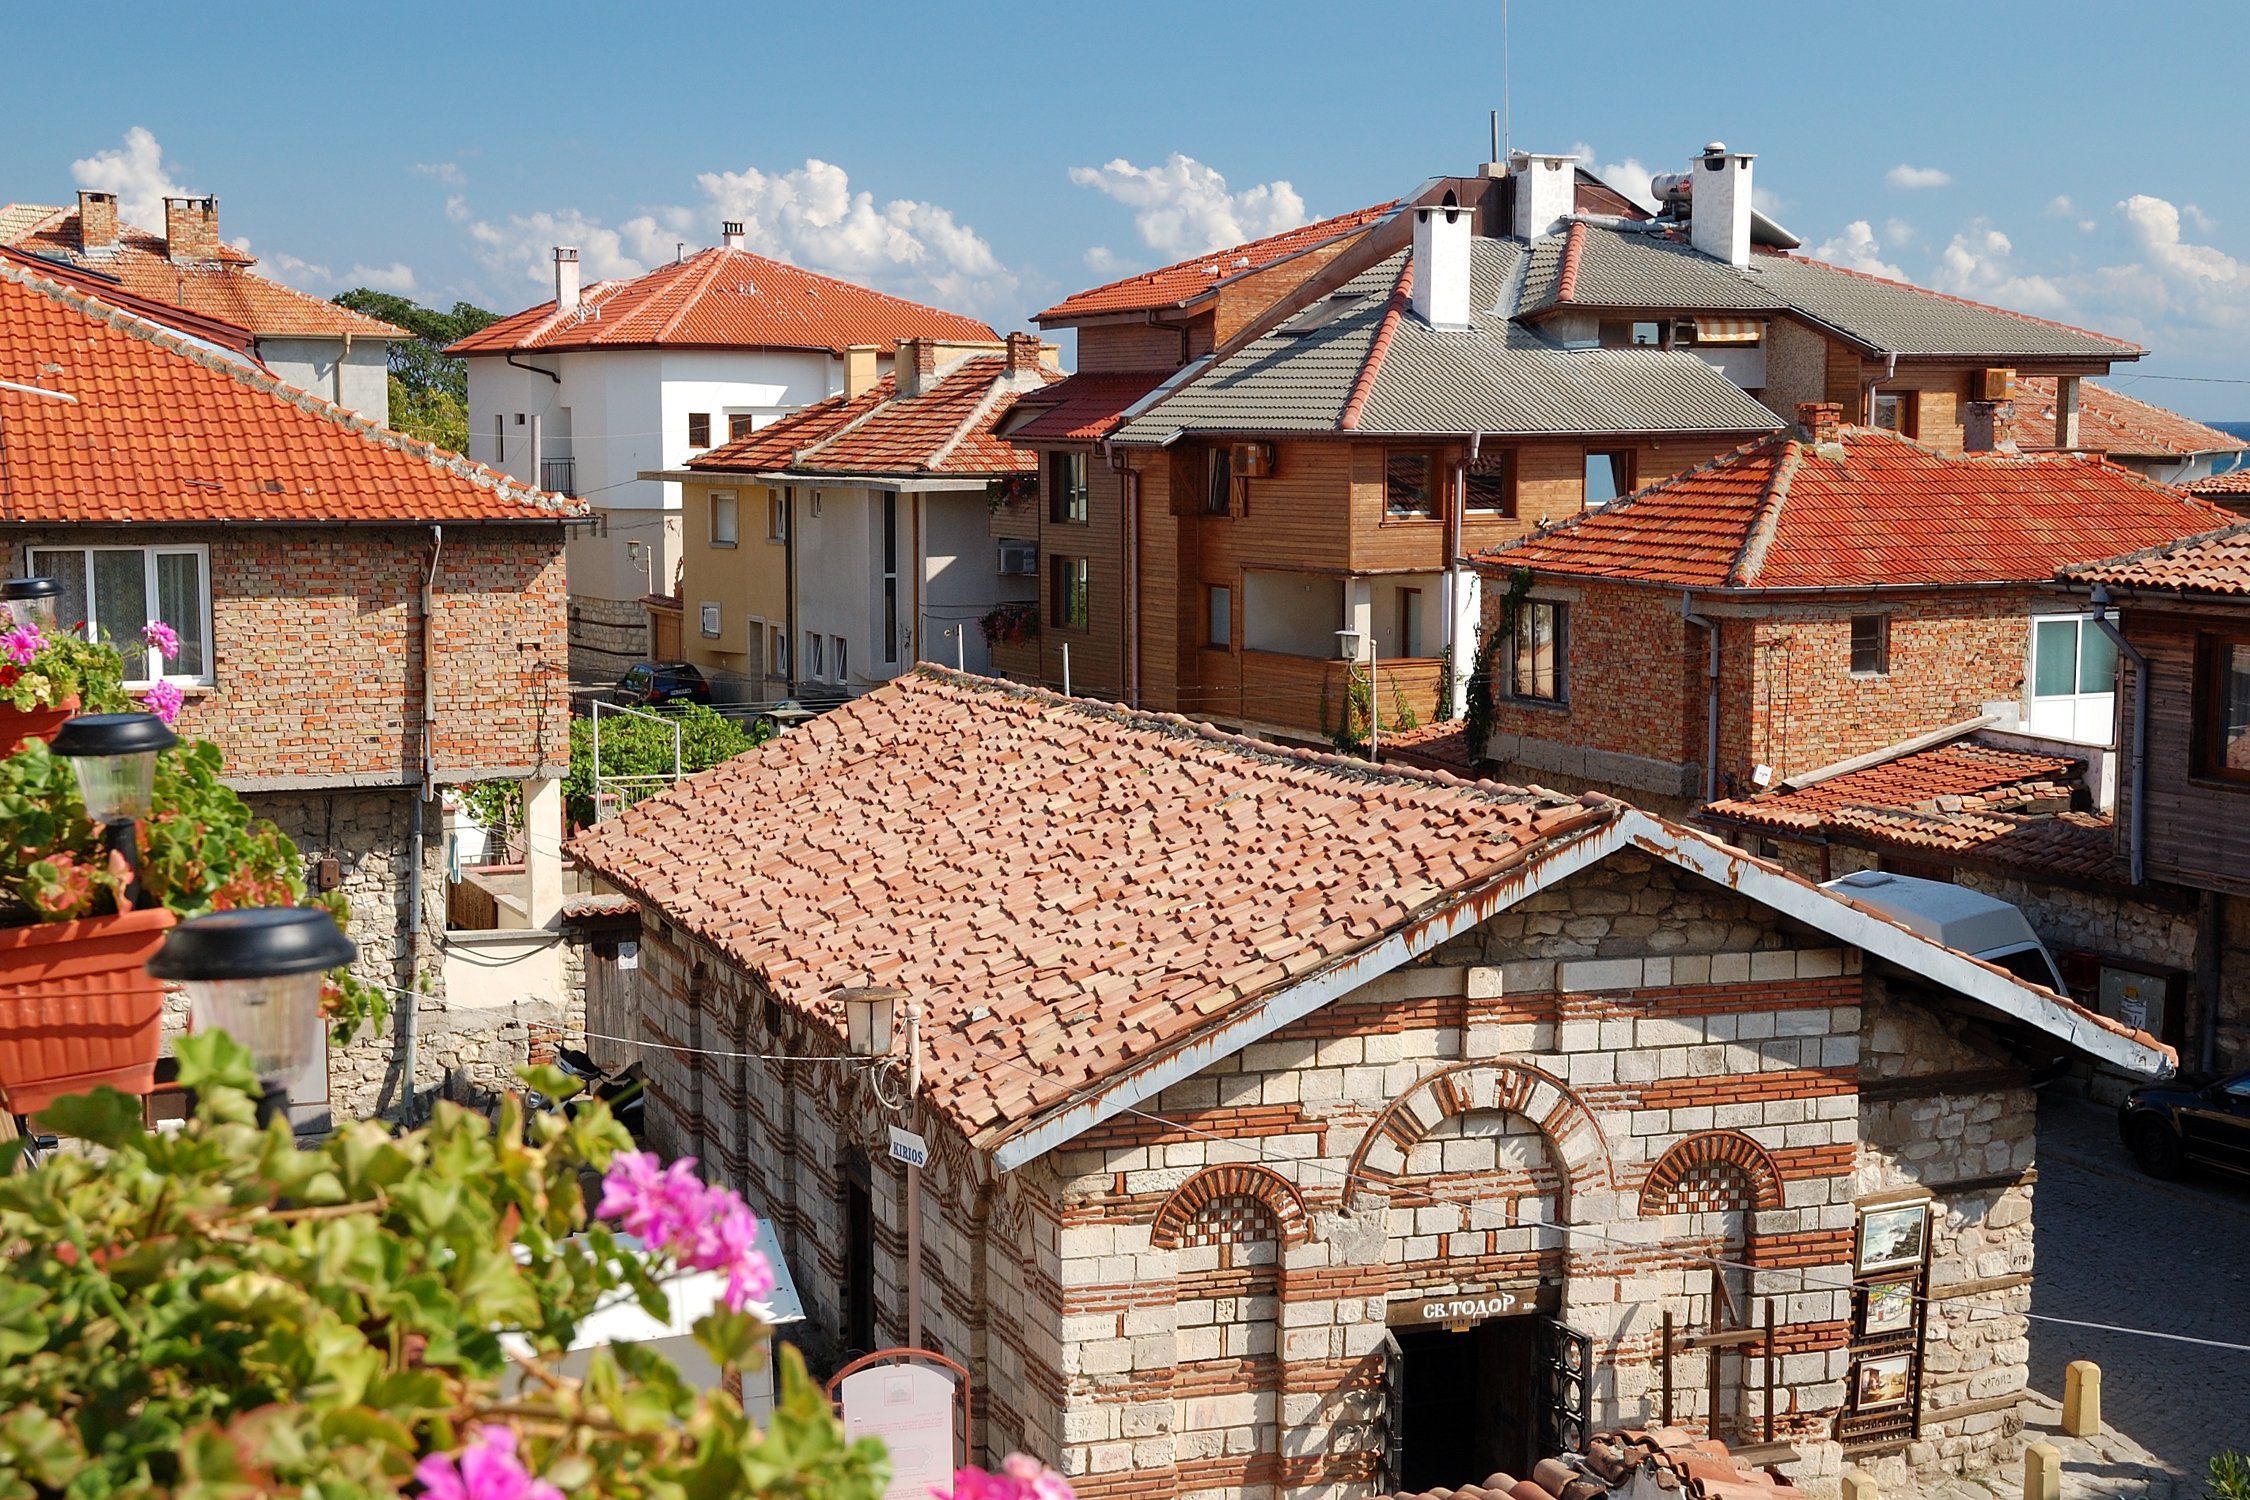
[1976, 924]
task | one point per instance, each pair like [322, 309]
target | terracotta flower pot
[77, 1010]
[20, 724]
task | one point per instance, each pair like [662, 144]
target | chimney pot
[730, 234]
[861, 370]
[566, 278]
[1820, 421]
[191, 230]
[1719, 204]
[1441, 263]
[97, 221]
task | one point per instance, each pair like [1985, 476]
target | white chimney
[566, 278]
[730, 234]
[1546, 192]
[1719, 204]
[1441, 264]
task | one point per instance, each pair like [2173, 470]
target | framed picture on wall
[1885, 1380]
[1890, 1309]
[1894, 1237]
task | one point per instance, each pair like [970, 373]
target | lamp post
[871, 1013]
[114, 756]
[256, 973]
[1347, 652]
[31, 601]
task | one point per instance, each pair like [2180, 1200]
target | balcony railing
[559, 475]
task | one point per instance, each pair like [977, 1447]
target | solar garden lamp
[114, 758]
[1347, 646]
[31, 601]
[256, 974]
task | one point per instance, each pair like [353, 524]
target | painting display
[1890, 1238]
[1883, 1381]
[1890, 1309]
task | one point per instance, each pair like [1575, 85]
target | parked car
[2205, 1120]
[1979, 925]
[659, 684]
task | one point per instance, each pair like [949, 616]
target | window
[116, 591]
[708, 619]
[740, 424]
[815, 655]
[777, 650]
[1623, 335]
[1871, 645]
[699, 429]
[724, 522]
[1899, 412]
[777, 516]
[1072, 581]
[1066, 488]
[1609, 475]
[2073, 679]
[890, 578]
[1408, 485]
[843, 671]
[1218, 615]
[1408, 641]
[1539, 666]
[1218, 484]
[2222, 712]
[499, 441]
[1492, 484]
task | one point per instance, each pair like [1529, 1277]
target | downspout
[534, 369]
[1869, 388]
[1455, 648]
[340, 359]
[1129, 525]
[409, 1028]
[789, 581]
[2127, 650]
[1710, 628]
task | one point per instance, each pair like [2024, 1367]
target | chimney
[1023, 356]
[97, 222]
[1719, 204]
[1546, 192]
[1441, 264]
[916, 366]
[191, 230]
[1820, 421]
[566, 278]
[730, 234]
[860, 371]
[1988, 427]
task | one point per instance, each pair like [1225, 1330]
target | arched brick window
[1718, 1171]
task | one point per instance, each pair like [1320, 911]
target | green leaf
[105, 1117]
[212, 1060]
[730, 1338]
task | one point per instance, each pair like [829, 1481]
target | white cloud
[2206, 286]
[396, 277]
[447, 172]
[1897, 233]
[287, 269]
[2059, 207]
[1183, 207]
[1629, 177]
[2087, 226]
[1904, 176]
[810, 216]
[1103, 261]
[1980, 262]
[2203, 222]
[1857, 249]
[136, 173]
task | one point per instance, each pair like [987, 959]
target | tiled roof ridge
[1268, 752]
[2007, 312]
[1548, 529]
[2107, 406]
[1402, 292]
[1346, 222]
[697, 286]
[2231, 482]
[996, 386]
[1574, 249]
[135, 326]
[1750, 558]
[2091, 570]
[866, 414]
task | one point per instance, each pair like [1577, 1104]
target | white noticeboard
[910, 1407]
[910, 1148]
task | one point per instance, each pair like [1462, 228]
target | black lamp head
[113, 734]
[254, 942]
[13, 590]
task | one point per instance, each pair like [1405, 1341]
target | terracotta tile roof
[1185, 281]
[724, 299]
[1085, 407]
[1872, 510]
[2216, 563]
[224, 288]
[2232, 482]
[108, 289]
[1443, 746]
[1633, 1461]
[949, 428]
[2113, 422]
[1070, 887]
[165, 430]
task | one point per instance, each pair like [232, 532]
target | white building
[586, 393]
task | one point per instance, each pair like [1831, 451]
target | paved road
[2117, 1247]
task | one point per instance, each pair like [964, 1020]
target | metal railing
[613, 794]
[559, 475]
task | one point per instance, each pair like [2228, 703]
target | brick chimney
[1820, 421]
[1988, 427]
[566, 278]
[861, 370]
[1023, 355]
[191, 230]
[916, 366]
[97, 222]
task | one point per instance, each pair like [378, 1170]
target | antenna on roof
[1503, 81]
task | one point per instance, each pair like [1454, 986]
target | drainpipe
[1456, 650]
[1869, 388]
[1129, 509]
[347, 354]
[1710, 627]
[789, 582]
[2126, 649]
[409, 1028]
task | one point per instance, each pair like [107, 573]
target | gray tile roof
[1629, 269]
[1496, 377]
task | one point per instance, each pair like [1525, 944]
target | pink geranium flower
[702, 1228]
[21, 643]
[487, 1469]
[163, 699]
[163, 637]
[1021, 1477]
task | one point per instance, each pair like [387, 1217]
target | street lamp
[870, 1017]
[31, 601]
[870, 1013]
[256, 974]
[114, 756]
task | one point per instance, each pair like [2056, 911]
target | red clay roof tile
[2113, 422]
[1184, 281]
[2216, 563]
[1085, 407]
[947, 429]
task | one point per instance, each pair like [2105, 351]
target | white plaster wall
[310, 364]
[961, 570]
[837, 569]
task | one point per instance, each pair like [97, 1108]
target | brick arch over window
[1717, 1170]
[1581, 1152]
[1260, 1184]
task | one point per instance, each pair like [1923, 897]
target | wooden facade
[2198, 823]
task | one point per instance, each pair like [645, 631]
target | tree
[429, 388]
[633, 746]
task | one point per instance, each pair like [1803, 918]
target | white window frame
[724, 505]
[777, 650]
[777, 517]
[2091, 715]
[151, 663]
[816, 656]
[840, 665]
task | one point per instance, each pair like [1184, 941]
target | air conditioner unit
[1019, 559]
[1252, 461]
[1996, 385]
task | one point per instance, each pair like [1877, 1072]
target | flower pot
[20, 724]
[77, 1010]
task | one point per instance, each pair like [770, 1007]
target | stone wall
[606, 637]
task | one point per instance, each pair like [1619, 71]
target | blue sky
[2076, 160]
